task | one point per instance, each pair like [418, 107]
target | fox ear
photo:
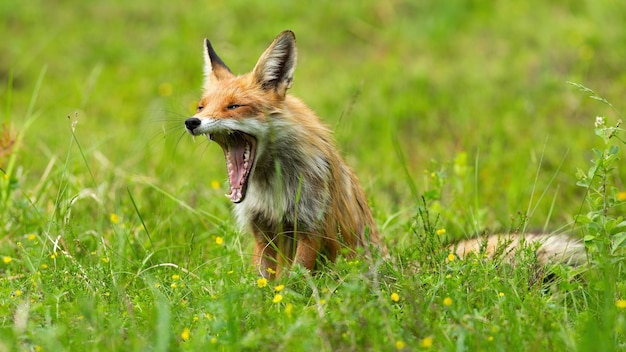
[276, 66]
[214, 68]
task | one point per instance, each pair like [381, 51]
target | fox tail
[550, 248]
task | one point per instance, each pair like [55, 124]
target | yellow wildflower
[621, 196]
[279, 288]
[620, 303]
[7, 259]
[271, 271]
[215, 184]
[447, 301]
[426, 342]
[400, 344]
[440, 231]
[501, 294]
[277, 298]
[451, 257]
[395, 297]
[219, 240]
[289, 309]
[175, 277]
[185, 334]
[262, 282]
[115, 219]
[213, 340]
[31, 237]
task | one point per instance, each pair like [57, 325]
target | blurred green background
[482, 83]
[115, 233]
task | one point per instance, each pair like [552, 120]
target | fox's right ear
[214, 68]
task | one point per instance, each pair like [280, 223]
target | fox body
[289, 185]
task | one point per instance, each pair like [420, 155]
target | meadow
[457, 116]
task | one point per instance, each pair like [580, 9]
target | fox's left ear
[214, 68]
[276, 66]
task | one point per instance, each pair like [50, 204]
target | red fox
[288, 182]
[289, 185]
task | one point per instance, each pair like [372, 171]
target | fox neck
[289, 182]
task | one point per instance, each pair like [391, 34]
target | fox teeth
[238, 194]
[246, 153]
[235, 195]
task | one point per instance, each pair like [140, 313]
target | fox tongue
[239, 150]
[237, 164]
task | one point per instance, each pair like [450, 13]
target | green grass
[115, 234]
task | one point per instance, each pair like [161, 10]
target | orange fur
[290, 186]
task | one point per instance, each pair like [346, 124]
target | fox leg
[264, 259]
[307, 249]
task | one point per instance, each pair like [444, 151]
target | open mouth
[239, 149]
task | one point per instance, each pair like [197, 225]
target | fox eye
[233, 106]
[199, 108]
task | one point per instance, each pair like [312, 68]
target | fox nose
[192, 122]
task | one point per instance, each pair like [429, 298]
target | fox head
[234, 110]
